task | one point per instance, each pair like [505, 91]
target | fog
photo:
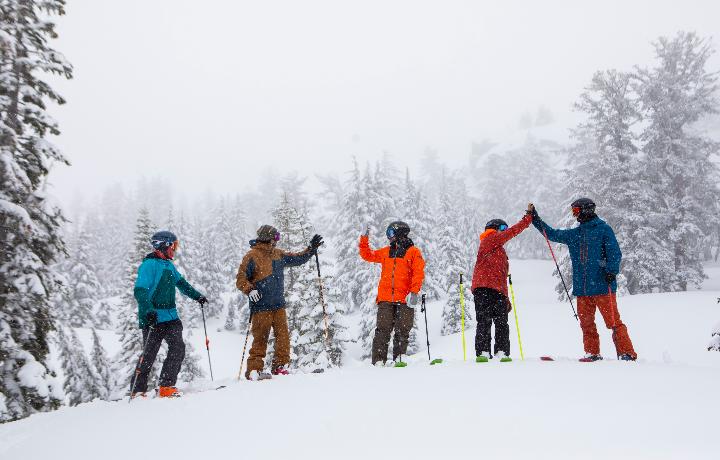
[210, 94]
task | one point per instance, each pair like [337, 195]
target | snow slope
[664, 406]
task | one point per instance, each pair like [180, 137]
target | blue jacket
[262, 269]
[594, 251]
[155, 289]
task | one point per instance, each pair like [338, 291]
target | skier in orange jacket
[403, 271]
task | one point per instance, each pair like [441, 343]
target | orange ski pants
[607, 304]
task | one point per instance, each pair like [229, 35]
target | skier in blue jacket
[595, 256]
[157, 315]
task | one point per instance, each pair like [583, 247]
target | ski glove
[255, 295]
[610, 277]
[316, 242]
[202, 300]
[413, 299]
[151, 318]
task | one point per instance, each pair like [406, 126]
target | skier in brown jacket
[261, 277]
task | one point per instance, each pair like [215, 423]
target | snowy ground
[664, 406]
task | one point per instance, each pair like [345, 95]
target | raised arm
[366, 253]
[294, 259]
[553, 234]
[498, 239]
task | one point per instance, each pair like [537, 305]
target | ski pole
[140, 363]
[614, 325]
[462, 316]
[517, 322]
[562, 278]
[322, 297]
[207, 342]
[247, 334]
[427, 335]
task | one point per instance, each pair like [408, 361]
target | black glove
[202, 300]
[610, 277]
[316, 242]
[151, 318]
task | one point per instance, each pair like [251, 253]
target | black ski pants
[392, 316]
[170, 332]
[491, 307]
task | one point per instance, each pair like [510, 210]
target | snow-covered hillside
[663, 406]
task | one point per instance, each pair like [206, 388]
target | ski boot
[169, 392]
[590, 358]
[626, 357]
[483, 357]
[503, 357]
[255, 376]
[280, 370]
[139, 394]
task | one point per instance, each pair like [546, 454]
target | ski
[547, 358]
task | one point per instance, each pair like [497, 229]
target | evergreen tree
[605, 164]
[81, 382]
[30, 238]
[100, 364]
[674, 95]
[452, 262]
[131, 340]
[191, 369]
[84, 289]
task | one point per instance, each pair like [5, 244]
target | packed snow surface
[665, 406]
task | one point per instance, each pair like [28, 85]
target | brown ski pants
[262, 322]
[399, 317]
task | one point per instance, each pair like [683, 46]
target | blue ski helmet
[163, 240]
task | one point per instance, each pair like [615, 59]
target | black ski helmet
[397, 229]
[496, 224]
[163, 240]
[585, 204]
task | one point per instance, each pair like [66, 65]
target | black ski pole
[140, 363]
[427, 335]
[207, 342]
[322, 296]
[562, 278]
[247, 334]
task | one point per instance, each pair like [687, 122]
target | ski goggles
[390, 233]
[502, 227]
[576, 211]
[276, 237]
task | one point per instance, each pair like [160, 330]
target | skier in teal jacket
[157, 314]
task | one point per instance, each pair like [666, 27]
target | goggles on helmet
[390, 233]
[276, 237]
[576, 211]
[502, 227]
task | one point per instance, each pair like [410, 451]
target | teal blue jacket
[594, 251]
[155, 289]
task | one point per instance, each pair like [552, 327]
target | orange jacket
[400, 275]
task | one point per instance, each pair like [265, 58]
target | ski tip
[400, 364]
[546, 358]
[436, 361]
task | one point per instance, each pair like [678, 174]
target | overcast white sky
[210, 93]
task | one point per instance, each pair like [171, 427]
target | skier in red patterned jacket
[489, 287]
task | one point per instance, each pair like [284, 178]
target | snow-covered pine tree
[354, 274]
[605, 165]
[451, 260]
[84, 289]
[210, 271]
[185, 259]
[131, 340]
[100, 364]
[190, 369]
[674, 96]
[30, 239]
[81, 382]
